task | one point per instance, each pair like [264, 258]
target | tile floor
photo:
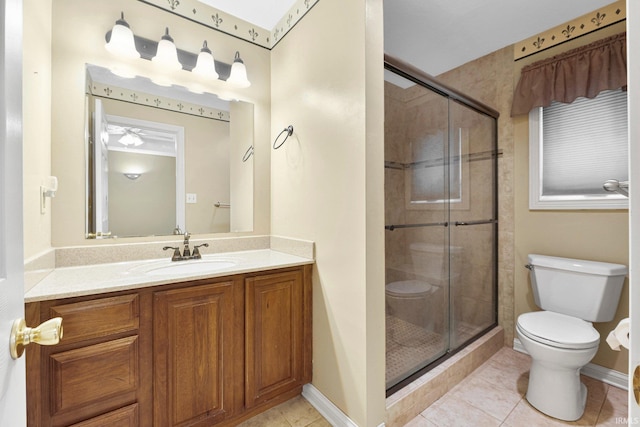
[493, 395]
[296, 412]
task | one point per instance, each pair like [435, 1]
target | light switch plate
[192, 198]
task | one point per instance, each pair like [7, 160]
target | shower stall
[440, 221]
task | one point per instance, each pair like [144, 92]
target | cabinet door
[194, 349]
[274, 335]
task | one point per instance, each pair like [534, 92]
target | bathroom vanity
[145, 345]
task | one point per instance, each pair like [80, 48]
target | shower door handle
[482, 221]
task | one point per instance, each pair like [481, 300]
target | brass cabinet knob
[48, 333]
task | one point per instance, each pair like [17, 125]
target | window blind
[584, 144]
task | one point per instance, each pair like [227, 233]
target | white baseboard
[327, 409]
[600, 373]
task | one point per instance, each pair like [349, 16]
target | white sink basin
[190, 267]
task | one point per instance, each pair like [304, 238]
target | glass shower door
[416, 228]
[473, 223]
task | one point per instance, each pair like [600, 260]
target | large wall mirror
[163, 160]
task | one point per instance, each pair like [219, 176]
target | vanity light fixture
[132, 176]
[167, 54]
[170, 59]
[238, 76]
[122, 41]
[205, 64]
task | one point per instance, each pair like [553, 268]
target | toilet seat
[558, 330]
[408, 288]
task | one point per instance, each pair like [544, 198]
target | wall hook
[289, 131]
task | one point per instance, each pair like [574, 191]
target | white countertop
[101, 278]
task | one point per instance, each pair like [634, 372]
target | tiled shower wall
[490, 80]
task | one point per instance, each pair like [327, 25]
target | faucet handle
[196, 251]
[176, 252]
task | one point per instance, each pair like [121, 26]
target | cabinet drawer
[98, 318]
[123, 417]
[90, 375]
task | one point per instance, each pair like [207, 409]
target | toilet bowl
[411, 302]
[559, 346]
[561, 339]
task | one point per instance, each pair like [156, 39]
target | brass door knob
[48, 333]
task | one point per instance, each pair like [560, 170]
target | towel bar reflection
[222, 205]
[247, 154]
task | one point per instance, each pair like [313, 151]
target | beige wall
[144, 206]
[37, 124]
[90, 20]
[327, 185]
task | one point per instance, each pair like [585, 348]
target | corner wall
[327, 186]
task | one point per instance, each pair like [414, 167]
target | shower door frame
[425, 80]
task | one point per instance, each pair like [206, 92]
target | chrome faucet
[186, 252]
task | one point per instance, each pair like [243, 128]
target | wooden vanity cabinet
[275, 335]
[200, 353]
[96, 374]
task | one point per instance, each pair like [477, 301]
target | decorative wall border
[585, 24]
[136, 97]
[219, 20]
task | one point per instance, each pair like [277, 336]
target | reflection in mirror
[163, 161]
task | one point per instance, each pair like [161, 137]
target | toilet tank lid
[409, 287]
[580, 265]
[432, 247]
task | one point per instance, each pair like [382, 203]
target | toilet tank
[430, 259]
[589, 290]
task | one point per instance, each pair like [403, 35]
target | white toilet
[419, 301]
[561, 339]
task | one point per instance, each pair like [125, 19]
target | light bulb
[205, 64]
[238, 75]
[167, 54]
[122, 42]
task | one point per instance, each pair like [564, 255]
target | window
[574, 148]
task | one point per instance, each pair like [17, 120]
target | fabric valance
[582, 72]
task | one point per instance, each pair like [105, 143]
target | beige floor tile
[494, 400]
[420, 421]
[508, 356]
[270, 418]
[614, 408]
[298, 412]
[450, 412]
[526, 415]
[320, 423]
[512, 377]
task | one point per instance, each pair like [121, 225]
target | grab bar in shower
[429, 224]
[482, 221]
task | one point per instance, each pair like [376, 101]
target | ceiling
[439, 35]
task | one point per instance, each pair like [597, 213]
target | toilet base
[556, 392]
